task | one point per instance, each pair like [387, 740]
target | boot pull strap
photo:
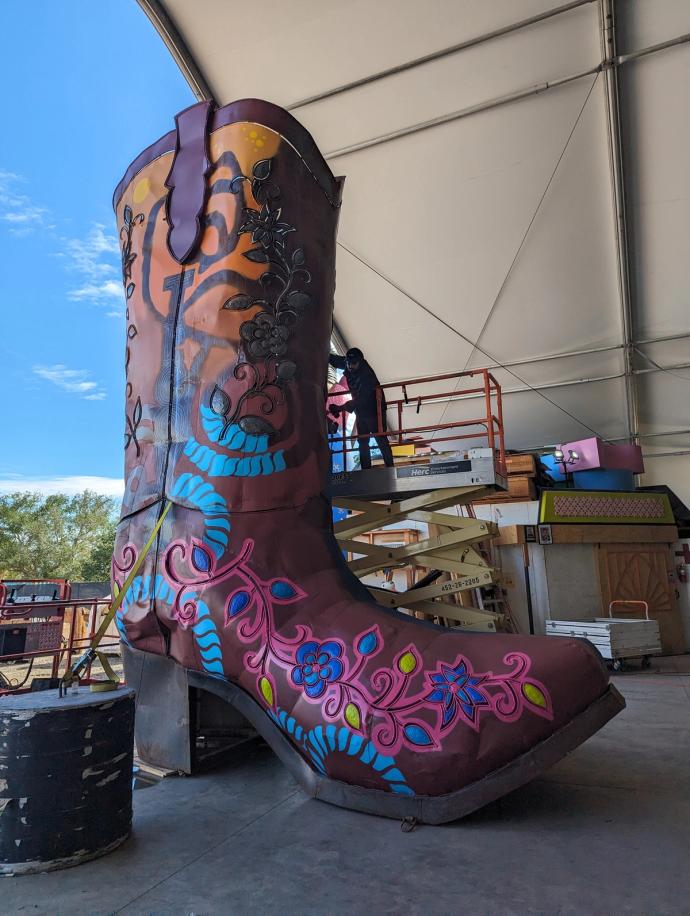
[186, 181]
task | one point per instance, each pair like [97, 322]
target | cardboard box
[521, 464]
[521, 488]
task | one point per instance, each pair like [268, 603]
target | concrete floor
[605, 831]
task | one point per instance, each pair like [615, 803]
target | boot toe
[496, 700]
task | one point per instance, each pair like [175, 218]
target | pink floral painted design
[399, 705]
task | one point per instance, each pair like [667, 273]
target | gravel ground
[16, 672]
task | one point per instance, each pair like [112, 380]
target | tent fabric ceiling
[492, 236]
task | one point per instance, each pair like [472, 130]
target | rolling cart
[618, 639]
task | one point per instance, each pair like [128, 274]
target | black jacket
[362, 385]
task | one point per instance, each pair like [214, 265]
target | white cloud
[20, 214]
[96, 259]
[107, 289]
[28, 215]
[75, 381]
[106, 486]
[85, 253]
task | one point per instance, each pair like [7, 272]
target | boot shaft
[227, 347]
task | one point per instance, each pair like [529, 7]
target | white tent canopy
[517, 192]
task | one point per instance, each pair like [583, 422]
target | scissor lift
[416, 489]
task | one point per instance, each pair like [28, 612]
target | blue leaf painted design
[282, 590]
[368, 643]
[200, 559]
[206, 636]
[319, 746]
[216, 464]
[415, 734]
[238, 602]
[195, 490]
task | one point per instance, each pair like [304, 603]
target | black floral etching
[128, 258]
[132, 427]
[266, 336]
[267, 381]
[265, 227]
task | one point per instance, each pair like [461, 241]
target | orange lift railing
[411, 395]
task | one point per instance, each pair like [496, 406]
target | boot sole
[425, 809]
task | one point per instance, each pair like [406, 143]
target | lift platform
[478, 469]
[432, 439]
[441, 463]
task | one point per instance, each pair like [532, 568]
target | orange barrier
[39, 626]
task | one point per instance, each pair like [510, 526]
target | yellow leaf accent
[534, 695]
[352, 715]
[407, 663]
[116, 589]
[266, 690]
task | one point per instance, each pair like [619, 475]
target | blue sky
[87, 86]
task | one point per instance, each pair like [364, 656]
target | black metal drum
[65, 777]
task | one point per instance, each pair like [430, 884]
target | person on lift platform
[362, 382]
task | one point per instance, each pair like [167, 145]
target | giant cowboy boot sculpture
[228, 226]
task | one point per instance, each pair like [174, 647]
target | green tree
[56, 536]
[96, 567]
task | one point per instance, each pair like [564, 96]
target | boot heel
[162, 724]
[180, 725]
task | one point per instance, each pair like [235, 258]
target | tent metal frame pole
[530, 360]
[546, 385]
[567, 384]
[671, 368]
[164, 24]
[608, 64]
[652, 49]
[613, 122]
[489, 104]
[551, 356]
[438, 55]
[586, 352]
[661, 339]
[166, 27]
[671, 432]
[676, 454]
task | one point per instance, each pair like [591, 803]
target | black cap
[354, 353]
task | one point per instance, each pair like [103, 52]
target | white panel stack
[615, 638]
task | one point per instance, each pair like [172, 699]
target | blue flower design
[456, 689]
[317, 666]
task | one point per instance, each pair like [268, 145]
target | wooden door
[642, 572]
